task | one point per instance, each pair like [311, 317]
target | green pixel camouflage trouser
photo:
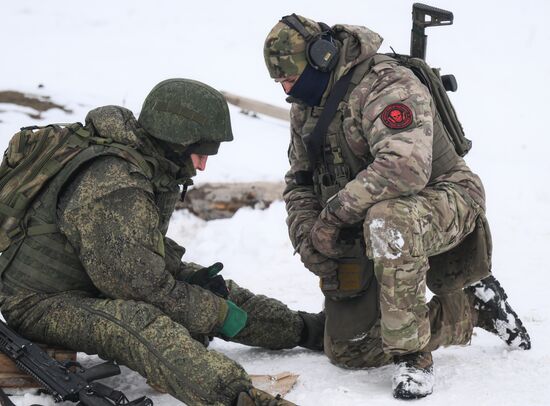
[144, 339]
[400, 235]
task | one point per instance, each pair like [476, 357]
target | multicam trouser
[400, 235]
[146, 340]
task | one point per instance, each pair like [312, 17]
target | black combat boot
[314, 330]
[496, 315]
[414, 375]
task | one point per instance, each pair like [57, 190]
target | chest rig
[333, 163]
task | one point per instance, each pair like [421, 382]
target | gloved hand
[313, 332]
[316, 262]
[209, 279]
[324, 233]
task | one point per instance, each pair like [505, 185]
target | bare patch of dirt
[38, 103]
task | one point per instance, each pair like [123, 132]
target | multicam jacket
[389, 124]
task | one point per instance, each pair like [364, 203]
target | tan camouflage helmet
[285, 49]
[186, 112]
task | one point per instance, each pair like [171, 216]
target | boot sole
[519, 330]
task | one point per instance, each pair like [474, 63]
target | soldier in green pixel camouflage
[110, 282]
[382, 207]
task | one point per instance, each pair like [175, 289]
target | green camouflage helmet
[285, 49]
[186, 112]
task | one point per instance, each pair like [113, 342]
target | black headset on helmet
[321, 50]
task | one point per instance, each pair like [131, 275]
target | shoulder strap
[314, 140]
[340, 91]
[363, 68]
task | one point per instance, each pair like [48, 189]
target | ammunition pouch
[355, 271]
[329, 182]
[351, 298]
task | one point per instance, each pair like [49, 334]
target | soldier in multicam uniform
[109, 281]
[384, 207]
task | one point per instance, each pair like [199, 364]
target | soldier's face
[199, 161]
[287, 82]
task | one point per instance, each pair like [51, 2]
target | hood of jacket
[358, 44]
[119, 125]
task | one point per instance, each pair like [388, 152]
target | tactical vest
[354, 291]
[45, 261]
[339, 164]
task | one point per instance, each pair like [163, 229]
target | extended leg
[271, 324]
[139, 336]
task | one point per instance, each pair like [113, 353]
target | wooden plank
[279, 384]
[257, 106]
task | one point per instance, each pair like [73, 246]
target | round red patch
[397, 116]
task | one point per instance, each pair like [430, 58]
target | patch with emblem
[397, 116]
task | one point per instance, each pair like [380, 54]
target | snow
[412, 382]
[113, 52]
[386, 242]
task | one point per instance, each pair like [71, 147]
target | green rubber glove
[234, 321]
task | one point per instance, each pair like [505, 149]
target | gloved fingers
[218, 286]
[214, 269]
[324, 268]
[199, 277]
[202, 276]
[308, 253]
[315, 258]
[325, 238]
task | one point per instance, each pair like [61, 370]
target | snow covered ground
[113, 52]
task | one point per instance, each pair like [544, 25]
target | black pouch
[353, 317]
[352, 299]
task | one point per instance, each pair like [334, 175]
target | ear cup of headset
[322, 53]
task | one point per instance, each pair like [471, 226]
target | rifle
[419, 39]
[62, 382]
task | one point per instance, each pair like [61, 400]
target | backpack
[438, 86]
[33, 157]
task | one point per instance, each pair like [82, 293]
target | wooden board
[211, 201]
[279, 384]
[256, 106]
